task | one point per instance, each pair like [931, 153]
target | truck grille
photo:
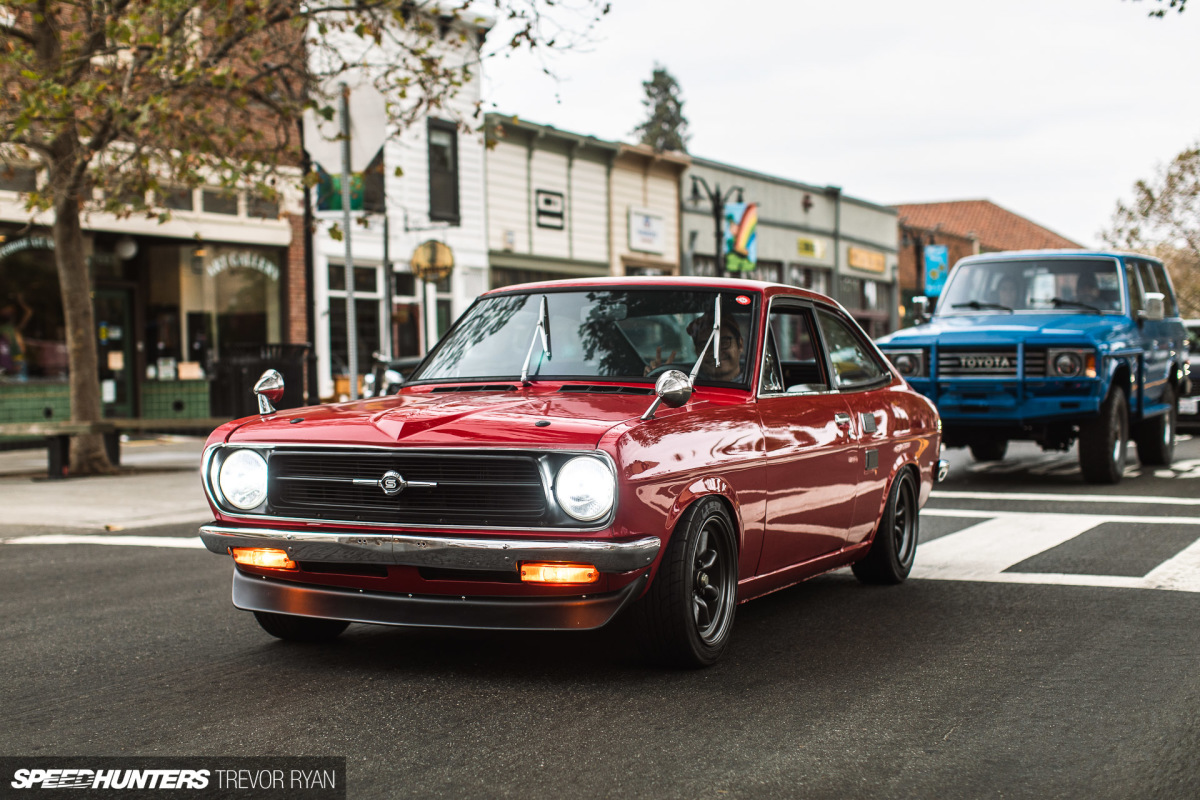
[999, 363]
[1035, 362]
[343, 485]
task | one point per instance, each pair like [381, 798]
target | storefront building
[645, 210]
[808, 236]
[548, 207]
[175, 304]
[425, 186]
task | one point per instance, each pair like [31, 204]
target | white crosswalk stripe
[983, 551]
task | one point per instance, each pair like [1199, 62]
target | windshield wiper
[1059, 303]
[542, 331]
[978, 306]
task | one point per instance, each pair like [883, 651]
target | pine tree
[666, 126]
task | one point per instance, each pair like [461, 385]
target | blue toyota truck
[1053, 346]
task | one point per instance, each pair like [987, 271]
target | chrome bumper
[582, 612]
[448, 552]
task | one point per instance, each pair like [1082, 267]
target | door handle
[842, 420]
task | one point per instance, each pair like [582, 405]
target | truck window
[1164, 285]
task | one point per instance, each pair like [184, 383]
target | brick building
[964, 227]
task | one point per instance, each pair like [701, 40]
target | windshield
[613, 334]
[1086, 285]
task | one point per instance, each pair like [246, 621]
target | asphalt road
[1033, 655]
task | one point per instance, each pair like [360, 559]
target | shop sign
[647, 231]
[809, 248]
[432, 261]
[246, 260]
[869, 260]
[30, 243]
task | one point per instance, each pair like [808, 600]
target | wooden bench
[58, 435]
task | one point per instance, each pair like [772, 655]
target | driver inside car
[730, 344]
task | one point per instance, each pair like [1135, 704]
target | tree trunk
[87, 452]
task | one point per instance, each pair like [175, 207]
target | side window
[1135, 290]
[792, 360]
[854, 362]
[443, 171]
[1149, 284]
[1164, 286]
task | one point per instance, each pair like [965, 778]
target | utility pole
[718, 200]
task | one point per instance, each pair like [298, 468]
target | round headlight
[1068, 364]
[906, 363]
[585, 488]
[243, 479]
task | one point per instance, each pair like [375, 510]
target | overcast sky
[1050, 108]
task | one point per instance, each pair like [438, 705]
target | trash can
[240, 367]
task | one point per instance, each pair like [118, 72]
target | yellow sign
[432, 261]
[869, 260]
[806, 247]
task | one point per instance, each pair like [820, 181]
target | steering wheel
[664, 368]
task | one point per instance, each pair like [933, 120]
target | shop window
[704, 266]
[771, 271]
[365, 279]
[262, 208]
[176, 198]
[17, 179]
[219, 202]
[443, 171]
[32, 327]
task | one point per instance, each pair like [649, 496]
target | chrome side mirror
[920, 309]
[1155, 307]
[673, 388]
[268, 390]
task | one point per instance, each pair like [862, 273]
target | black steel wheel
[894, 547]
[300, 629]
[1104, 441]
[686, 616]
[1156, 436]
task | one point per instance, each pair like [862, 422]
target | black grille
[472, 489]
[1035, 362]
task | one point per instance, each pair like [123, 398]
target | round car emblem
[391, 482]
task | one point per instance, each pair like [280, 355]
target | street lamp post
[718, 201]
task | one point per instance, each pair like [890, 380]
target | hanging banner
[936, 269]
[741, 237]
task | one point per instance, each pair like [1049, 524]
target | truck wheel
[991, 450]
[1156, 437]
[299, 629]
[1104, 441]
[686, 617]
[890, 558]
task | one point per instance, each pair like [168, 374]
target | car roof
[765, 288]
[1076, 253]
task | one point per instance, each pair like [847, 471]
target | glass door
[114, 348]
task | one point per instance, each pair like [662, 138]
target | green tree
[1163, 218]
[1161, 11]
[665, 127]
[118, 101]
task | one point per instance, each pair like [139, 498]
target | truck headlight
[585, 488]
[1071, 364]
[909, 363]
[242, 479]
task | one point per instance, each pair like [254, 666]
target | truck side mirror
[920, 309]
[1154, 308]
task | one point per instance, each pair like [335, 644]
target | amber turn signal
[540, 572]
[264, 557]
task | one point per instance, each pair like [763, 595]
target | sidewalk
[162, 487]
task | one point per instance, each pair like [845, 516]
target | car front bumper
[584, 612]
[447, 552]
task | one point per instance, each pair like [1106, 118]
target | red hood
[417, 418]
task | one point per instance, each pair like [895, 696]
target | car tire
[894, 547]
[685, 619]
[990, 450]
[1104, 441]
[1156, 436]
[300, 629]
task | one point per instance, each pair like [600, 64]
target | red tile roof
[996, 228]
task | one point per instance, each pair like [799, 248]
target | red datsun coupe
[573, 450]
